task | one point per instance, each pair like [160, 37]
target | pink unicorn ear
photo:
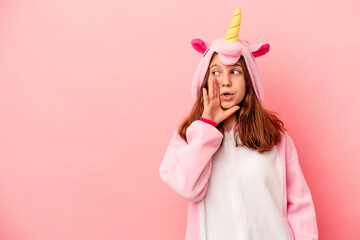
[199, 45]
[259, 49]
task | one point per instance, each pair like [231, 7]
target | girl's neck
[229, 122]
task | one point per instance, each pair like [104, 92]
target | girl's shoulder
[285, 137]
[287, 144]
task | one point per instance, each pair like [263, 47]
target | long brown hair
[258, 128]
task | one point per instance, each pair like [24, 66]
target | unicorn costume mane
[229, 49]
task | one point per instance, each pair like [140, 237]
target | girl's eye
[234, 71]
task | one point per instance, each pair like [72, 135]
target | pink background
[90, 92]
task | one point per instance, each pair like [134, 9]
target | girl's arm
[300, 206]
[186, 167]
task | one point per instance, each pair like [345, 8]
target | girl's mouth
[226, 96]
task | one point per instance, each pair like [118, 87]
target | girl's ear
[260, 49]
[199, 45]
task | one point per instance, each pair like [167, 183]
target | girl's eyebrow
[216, 65]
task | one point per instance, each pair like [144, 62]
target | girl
[232, 159]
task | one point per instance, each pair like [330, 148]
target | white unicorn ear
[199, 45]
[260, 49]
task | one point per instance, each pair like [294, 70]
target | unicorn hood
[229, 49]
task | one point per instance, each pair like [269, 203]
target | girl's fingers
[205, 97]
[216, 90]
[211, 89]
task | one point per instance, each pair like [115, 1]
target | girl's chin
[226, 106]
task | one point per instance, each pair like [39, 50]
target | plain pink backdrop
[90, 92]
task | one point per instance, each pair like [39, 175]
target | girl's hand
[212, 104]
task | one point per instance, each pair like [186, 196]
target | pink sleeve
[300, 206]
[186, 167]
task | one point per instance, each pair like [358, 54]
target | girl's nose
[225, 81]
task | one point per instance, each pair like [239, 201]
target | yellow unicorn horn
[233, 30]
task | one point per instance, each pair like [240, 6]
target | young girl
[232, 159]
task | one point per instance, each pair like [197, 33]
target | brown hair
[258, 128]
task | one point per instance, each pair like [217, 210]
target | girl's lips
[227, 97]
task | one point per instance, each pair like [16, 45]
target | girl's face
[231, 79]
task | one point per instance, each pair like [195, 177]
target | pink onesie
[236, 192]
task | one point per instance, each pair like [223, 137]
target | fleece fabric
[235, 193]
[248, 189]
